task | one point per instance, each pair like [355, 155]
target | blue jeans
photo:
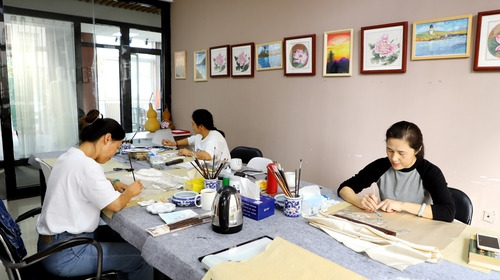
[118, 256]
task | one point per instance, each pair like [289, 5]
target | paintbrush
[131, 167]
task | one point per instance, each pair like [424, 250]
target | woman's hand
[135, 188]
[185, 152]
[166, 142]
[369, 202]
[119, 186]
[390, 205]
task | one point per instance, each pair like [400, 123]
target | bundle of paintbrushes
[206, 171]
[279, 174]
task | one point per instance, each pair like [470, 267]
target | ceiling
[146, 6]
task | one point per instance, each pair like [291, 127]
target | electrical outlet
[489, 216]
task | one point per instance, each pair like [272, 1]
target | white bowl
[279, 201]
[184, 198]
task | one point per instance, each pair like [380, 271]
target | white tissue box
[258, 209]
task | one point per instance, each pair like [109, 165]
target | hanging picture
[442, 38]
[269, 56]
[242, 60]
[180, 65]
[487, 52]
[219, 63]
[337, 53]
[200, 65]
[300, 55]
[383, 48]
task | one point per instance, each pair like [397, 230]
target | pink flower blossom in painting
[300, 57]
[242, 59]
[497, 38]
[219, 63]
[385, 48]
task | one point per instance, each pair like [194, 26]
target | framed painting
[200, 65]
[242, 60]
[219, 64]
[383, 48]
[442, 38]
[180, 65]
[487, 51]
[300, 55]
[269, 56]
[337, 53]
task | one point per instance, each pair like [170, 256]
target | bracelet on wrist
[114, 181]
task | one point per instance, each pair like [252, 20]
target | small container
[293, 206]
[272, 183]
[211, 184]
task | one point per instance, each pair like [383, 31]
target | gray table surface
[176, 254]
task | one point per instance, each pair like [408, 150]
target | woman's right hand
[369, 202]
[135, 188]
[166, 142]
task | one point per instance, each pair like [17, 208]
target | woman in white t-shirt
[77, 191]
[208, 142]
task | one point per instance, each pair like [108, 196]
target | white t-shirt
[77, 191]
[214, 140]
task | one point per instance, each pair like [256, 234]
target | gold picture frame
[180, 65]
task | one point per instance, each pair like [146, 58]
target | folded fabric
[281, 260]
[387, 249]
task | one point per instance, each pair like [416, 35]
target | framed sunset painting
[337, 56]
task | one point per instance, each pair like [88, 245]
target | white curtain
[41, 59]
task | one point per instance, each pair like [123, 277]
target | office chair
[463, 206]
[245, 153]
[19, 267]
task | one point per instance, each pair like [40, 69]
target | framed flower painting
[300, 55]
[487, 51]
[242, 64]
[219, 64]
[383, 48]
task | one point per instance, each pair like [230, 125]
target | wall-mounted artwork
[200, 65]
[300, 55]
[442, 38]
[180, 65]
[487, 52]
[383, 48]
[269, 56]
[337, 56]
[242, 60]
[219, 64]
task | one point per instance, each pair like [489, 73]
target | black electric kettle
[228, 212]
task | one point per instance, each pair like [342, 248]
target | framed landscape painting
[383, 48]
[337, 53]
[269, 56]
[242, 60]
[180, 65]
[219, 64]
[487, 52]
[300, 55]
[442, 38]
[200, 65]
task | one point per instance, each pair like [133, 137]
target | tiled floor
[28, 227]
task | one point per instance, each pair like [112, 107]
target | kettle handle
[224, 210]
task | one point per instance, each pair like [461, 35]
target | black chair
[463, 206]
[30, 267]
[245, 153]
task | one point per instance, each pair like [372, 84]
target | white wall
[337, 124]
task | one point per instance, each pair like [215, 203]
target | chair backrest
[245, 153]
[259, 163]
[46, 169]
[463, 206]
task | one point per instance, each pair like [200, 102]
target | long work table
[176, 254]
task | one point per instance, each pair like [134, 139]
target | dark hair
[94, 126]
[408, 132]
[204, 117]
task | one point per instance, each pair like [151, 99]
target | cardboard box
[258, 209]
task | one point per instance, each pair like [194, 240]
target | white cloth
[77, 191]
[214, 140]
[387, 249]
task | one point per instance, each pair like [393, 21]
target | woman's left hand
[389, 205]
[120, 187]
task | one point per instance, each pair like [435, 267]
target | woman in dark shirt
[407, 182]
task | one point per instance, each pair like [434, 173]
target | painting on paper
[337, 53]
